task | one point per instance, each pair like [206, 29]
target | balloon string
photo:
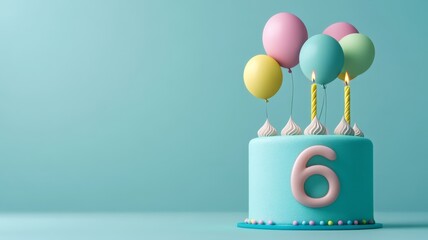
[292, 92]
[324, 103]
[266, 109]
[325, 114]
[322, 106]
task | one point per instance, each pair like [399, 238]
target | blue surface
[189, 226]
[111, 105]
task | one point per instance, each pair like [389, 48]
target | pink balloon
[283, 36]
[340, 30]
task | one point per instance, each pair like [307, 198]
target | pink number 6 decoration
[301, 173]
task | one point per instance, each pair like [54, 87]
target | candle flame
[346, 78]
[313, 76]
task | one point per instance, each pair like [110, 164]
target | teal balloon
[322, 55]
[359, 54]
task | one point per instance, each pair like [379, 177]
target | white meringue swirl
[291, 128]
[343, 128]
[267, 130]
[357, 131]
[315, 128]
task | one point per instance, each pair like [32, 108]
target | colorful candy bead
[311, 223]
[295, 223]
[304, 222]
[340, 222]
[330, 223]
[246, 220]
[261, 222]
[253, 221]
[364, 221]
[270, 222]
[322, 223]
[349, 222]
[371, 221]
[355, 222]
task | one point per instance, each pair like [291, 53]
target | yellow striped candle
[347, 110]
[313, 97]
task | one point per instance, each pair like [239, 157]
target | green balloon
[359, 54]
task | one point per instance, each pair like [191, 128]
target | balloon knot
[289, 70]
[266, 100]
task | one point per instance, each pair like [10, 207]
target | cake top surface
[315, 138]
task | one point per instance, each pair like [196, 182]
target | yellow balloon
[262, 76]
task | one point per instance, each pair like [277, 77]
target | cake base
[308, 227]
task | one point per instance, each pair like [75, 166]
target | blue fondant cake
[309, 181]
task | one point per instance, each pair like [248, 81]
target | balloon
[283, 36]
[339, 30]
[262, 76]
[359, 54]
[322, 55]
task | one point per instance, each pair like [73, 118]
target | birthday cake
[311, 180]
[314, 181]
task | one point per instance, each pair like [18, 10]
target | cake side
[271, 162]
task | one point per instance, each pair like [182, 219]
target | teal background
[140, 105]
